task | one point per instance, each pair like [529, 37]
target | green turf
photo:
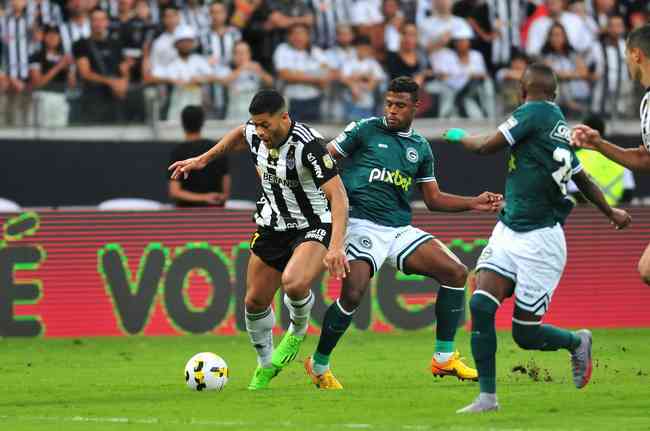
[137, 384]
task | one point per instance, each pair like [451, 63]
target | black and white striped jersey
[16, 37]
[645, 120]
[291, 177]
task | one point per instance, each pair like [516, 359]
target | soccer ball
[206, 372]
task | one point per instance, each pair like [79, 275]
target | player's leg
[644, 265]
[366, 251]
[491, 289]
[417, 252]
[304, 267]
[262, 281]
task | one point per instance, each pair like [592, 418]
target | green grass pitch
[137, 384]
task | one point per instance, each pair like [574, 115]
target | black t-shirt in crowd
[397, 67]
[207, 180]
[105, 57]
[45, 61]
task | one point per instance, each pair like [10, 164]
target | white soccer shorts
[376, 244]
[533, 260]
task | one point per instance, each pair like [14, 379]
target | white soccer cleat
[581, 362]
[483, 403]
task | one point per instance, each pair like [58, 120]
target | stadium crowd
[125, 61]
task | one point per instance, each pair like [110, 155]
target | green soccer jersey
[541, 164]
[385, 166]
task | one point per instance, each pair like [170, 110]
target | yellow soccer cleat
[453, 367]
[322, 381]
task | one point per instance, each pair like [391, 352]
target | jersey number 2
[563, 174]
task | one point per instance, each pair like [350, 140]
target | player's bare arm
[482, 144]
[619, 218]
[234, 140]
[437, 200]
[636, 159]
[335, 259]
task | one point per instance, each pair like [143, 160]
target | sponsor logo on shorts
[412, 155]
[391, 177]
[365, 242]
[328, 161]
[316, 234]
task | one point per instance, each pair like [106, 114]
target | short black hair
[640, 38]
[539, 78]
[596, 122]
[266, 102]
[192, 118]
[405, 84]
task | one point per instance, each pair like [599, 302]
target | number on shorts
[563, 174]
[255, 236]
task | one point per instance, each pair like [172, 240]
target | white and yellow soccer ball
[206, 372]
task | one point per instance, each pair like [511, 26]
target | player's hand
[620, 218]
[585, 137]
[337, 263]
[488, 202]
[214, 198]
[183, 167]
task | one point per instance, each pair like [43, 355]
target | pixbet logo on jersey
[391, 177]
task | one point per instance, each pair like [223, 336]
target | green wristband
[454, 135]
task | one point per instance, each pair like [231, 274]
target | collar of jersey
[406, 134]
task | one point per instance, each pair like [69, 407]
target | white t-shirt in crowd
[447, 62]
[163, 51]
[312, 62]
[578, 32]
[338, 56]
[367, 66]
[434, 27]
[367, 12]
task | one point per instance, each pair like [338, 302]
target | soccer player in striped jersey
[301, 223]
[637, 57]
[388, 160]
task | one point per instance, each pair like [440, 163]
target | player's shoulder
[306, 135]
[365, 124]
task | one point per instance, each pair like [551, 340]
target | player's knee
[254, 304]
[295, 285]
[351, 298]
[480, 305]
[526, 336]
[458, 275]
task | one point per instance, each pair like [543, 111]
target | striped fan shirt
[645, 120]
[16, 37]
[291, 177]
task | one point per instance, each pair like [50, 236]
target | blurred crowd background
[82, 62]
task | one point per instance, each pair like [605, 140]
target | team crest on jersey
[561, 132]
[291, 163]
[328, 161]
[274, 153]
[412, 155]
[365, 242]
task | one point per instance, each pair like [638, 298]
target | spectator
[579, 36]
[195, 15]
[125, 11]
[163, 53]
[365, 14]
[304, 70]
[218, 43]
[611, 80]
[601, 10]
[469, 90]
[244, 80]
[16, 35]
[78, 25]
[328, 16]
[51, 73]
[570, 69]
[209, 186]
[44, 12]
[187, 74]
[112, 7]
[103, 71]
[509, 82]
[436, 30]
[408, 60]
[497, 26]
[579, 8]
[361, 78]
[337, 56]
[393, 20]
